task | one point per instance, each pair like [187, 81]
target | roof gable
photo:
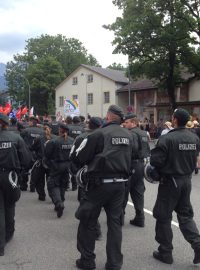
[114, 75]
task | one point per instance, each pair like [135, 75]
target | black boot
[165, 258]
[9, 237]
[59, 209]
[41, 198]
[138, 220]
[196, 256]
[81, 265]
[1, 251]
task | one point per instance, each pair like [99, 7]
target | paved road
[44, 242]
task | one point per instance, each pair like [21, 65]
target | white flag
[31, 111]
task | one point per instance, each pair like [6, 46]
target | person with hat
[167, 128]
[29, 134]
[57, 160]
[107, 152]
[136, 180]
[14, 157]
[174, 157]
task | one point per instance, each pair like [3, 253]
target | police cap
[182, 116]
[4, 118]
[33, 118]
[96, 121]
[76, 119]
[130, 116]
[63, 126]
[116, 110]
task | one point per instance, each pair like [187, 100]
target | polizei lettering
[33, 135]
[120, 141]
[66, 146]
[187, 146]
[5, 145]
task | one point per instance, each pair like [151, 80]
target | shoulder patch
[82, 145]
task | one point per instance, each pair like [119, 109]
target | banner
[71, 107]
[31, 112]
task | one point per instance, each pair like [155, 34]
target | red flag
[7, 108]
[18, 114]
[1, 109]
[24, 110]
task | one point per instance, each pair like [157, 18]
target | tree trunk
[170, 81]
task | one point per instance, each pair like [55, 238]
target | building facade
[148, 101]
[93, 87]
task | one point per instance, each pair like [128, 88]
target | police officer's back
[29, 134]
[13, 158]
[136, 181]
[107, 152]
[75, 129]
[175, 157]
[57, 159]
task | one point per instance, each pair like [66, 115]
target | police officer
[175, 157]
[40, 171]
[57, 159]
[93, 124]
[107, 153]
[29, 134]
[75, 129]
[136, 181]
[13, 157]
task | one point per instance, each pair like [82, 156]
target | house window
[61, 101]
[74, 96]
[89, 78]
[74, 80]
[106, 97]
[90, 98]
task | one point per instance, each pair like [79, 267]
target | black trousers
[110, 196]
[175, 196]
[56, 185]
[136, 187]
[38, 176]
[7, 211]
[24, 178]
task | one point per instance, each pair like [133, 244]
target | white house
[93, 87]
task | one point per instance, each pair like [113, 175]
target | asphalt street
[44, 242]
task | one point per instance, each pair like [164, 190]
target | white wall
[194, 92]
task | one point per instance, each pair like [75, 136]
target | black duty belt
[113, 180]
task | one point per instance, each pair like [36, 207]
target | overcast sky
[80, 19]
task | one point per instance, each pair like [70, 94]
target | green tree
[116, 67]
[44, 75]
[156, 39]
[66, 53]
